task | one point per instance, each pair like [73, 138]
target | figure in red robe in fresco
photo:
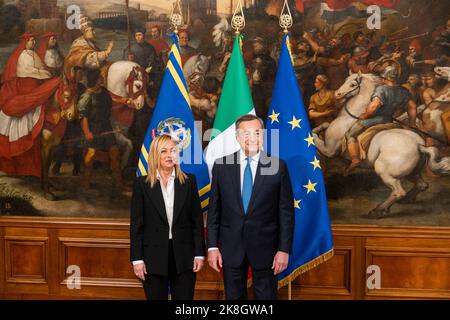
[25, 87]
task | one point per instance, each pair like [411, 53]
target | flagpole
[290, 290]
[286, 22]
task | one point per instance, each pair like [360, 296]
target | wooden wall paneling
[414, 262]
[415, 268]
[331, 279]
[360, 276]
[26, 260]
[103, 259]
[53, 261]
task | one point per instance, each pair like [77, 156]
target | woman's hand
[198, 265]
[140, 271]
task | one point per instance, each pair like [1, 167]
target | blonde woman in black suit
[167, 238]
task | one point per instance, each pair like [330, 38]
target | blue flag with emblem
[289, 136]
[173, 116]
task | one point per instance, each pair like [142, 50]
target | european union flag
[173, 116]
[293, 142]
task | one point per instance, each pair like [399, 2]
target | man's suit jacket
[268, 225]
[149, 231]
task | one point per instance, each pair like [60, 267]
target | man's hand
[198, 265]
[215, 259]
[280, 262]
[140, 271]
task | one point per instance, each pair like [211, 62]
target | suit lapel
[259, 179]
[156, 196]
[179, 198]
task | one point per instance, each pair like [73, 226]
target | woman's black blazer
[149, 230]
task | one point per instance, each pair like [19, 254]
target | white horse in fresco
[393, 154]
[195, 69]
[126, 80]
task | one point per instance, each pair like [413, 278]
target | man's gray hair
[248, 117]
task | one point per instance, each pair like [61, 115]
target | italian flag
[235, 101]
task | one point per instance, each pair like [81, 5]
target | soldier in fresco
[364, 41]
[322, 105]
[331, 59]
[429, 91]
[387, 100]
[413, 86]
[414, 55]
[305, 68]
[94, 107]
[359, 60]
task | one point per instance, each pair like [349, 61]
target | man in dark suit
[250, 216]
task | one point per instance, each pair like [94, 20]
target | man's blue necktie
[247, 185]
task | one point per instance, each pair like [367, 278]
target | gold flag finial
[176, 17]
[238, 20]
[285, 17]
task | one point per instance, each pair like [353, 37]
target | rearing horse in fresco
[393, 154]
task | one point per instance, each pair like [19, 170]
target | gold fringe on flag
[306, 267]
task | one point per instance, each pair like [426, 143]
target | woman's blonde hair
[154, 157]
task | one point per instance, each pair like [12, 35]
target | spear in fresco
[127, 4]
